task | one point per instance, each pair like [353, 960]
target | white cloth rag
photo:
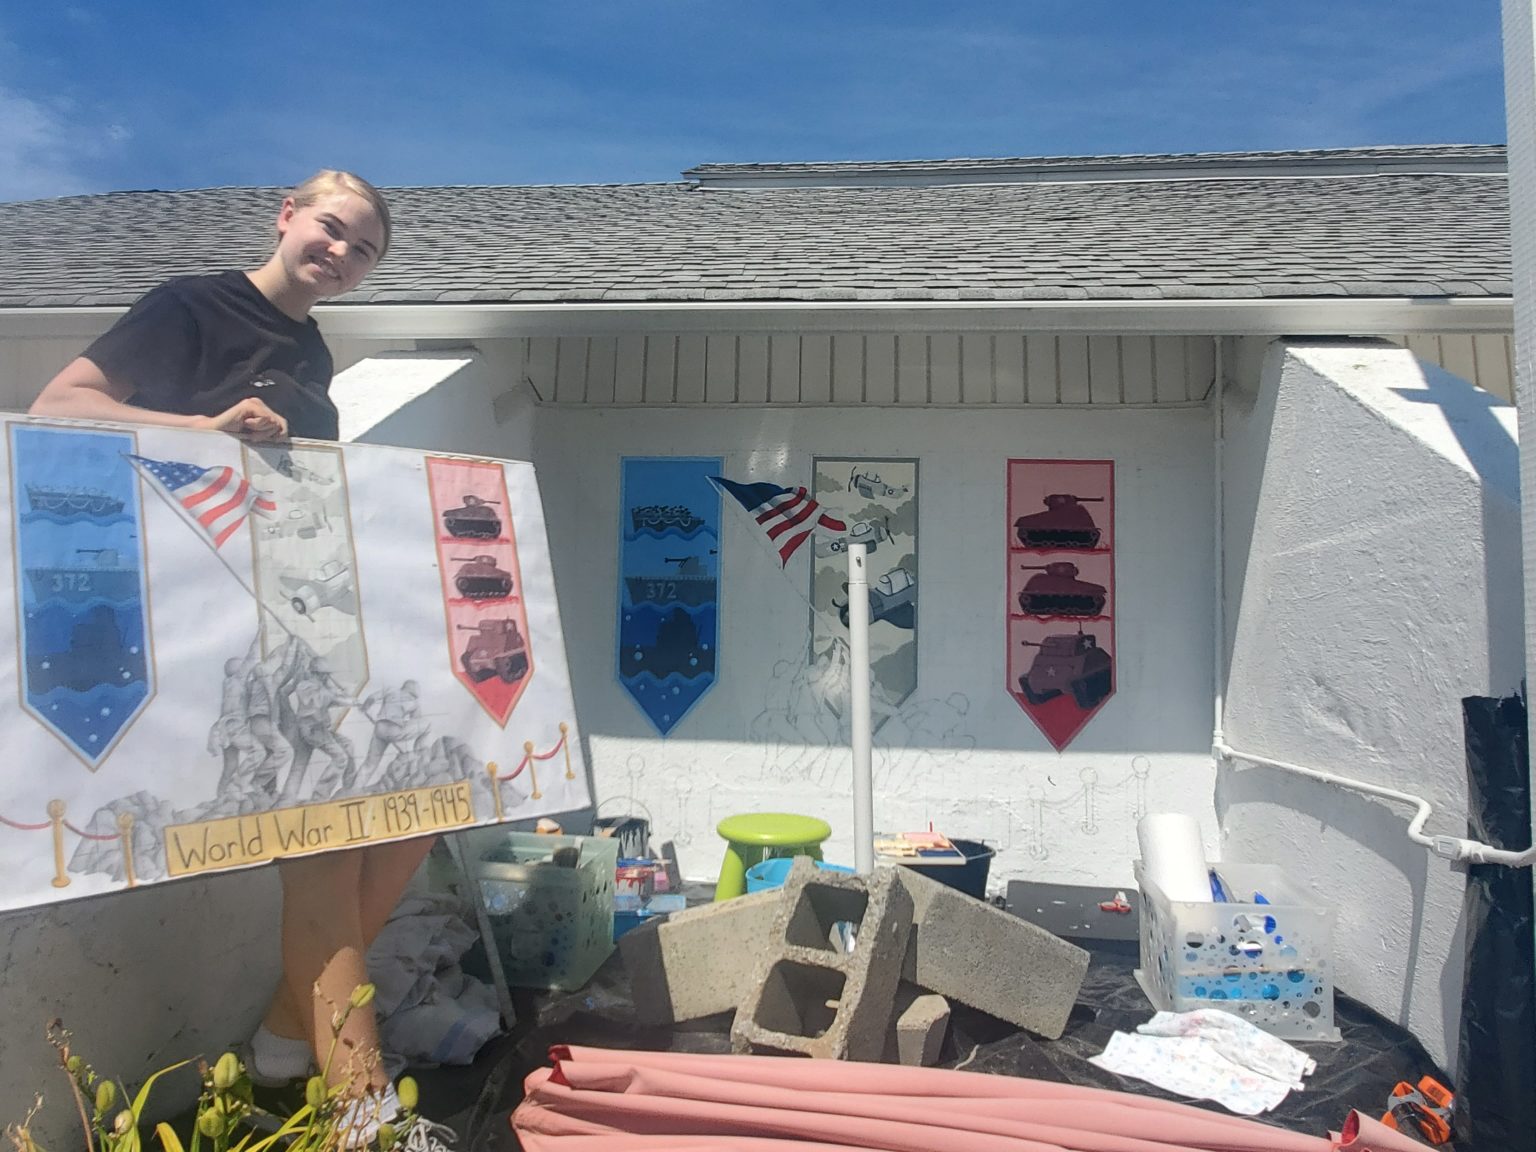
[430, 1010]
[1209, 1054]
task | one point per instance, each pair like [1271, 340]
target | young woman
[239, 352]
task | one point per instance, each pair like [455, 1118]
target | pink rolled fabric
[600, 1100]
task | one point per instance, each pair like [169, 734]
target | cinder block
[918, 1025]
[700, 961]
[966, 950]
[810, 997]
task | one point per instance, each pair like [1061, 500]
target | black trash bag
[1495, 1102]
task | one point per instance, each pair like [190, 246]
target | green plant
[226, 1118]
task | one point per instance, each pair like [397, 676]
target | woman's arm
[82, 391]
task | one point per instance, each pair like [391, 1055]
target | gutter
[1267, 316]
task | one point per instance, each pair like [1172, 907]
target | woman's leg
[370, 886]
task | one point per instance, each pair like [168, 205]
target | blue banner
[86, 671]
[669, 589]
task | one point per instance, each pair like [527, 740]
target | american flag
[217, 499]
[788, 515]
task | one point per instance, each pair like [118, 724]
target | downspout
[1450, 847]
[1219, 559]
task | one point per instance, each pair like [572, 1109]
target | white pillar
[1520, 118]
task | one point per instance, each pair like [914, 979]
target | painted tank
[481, 579]
[1068, 662]
[1057, 591]
[1065, 523]
[497, 648]
[474, 520]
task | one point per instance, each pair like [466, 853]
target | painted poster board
[219, 653]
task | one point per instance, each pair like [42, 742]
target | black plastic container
[970, 877]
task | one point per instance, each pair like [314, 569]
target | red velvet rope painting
[1061, 591]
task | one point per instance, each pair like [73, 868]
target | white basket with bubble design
[1269, 962]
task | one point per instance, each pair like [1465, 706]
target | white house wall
[1373, 544]
[970, 760]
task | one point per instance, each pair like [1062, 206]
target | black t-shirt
[199, 344]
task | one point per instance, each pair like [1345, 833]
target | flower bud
[362, 996]
[226, 1072]
[314, 1093]
[106, 1096]
[73, 1065]
[122, 1122]
[210, 1124]
[409, 1094]
[387, 1136]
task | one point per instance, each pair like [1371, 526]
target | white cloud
[45, 151]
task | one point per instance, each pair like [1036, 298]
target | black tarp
[1496, 1104]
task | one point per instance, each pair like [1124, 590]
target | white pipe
[1451, 847]
[1219, 557]
[859, 715]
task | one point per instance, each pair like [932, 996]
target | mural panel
[1061, 581]
[669, 588]
[876, 501]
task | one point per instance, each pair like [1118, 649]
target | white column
[1520, 117]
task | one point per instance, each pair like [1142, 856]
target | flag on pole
[217, 500]
[787, 515]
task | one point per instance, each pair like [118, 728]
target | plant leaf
[143, 1096]
[168, 1138]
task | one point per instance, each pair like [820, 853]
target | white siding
[1481, 360]
[938, 368]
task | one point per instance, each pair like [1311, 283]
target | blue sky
[190, 93]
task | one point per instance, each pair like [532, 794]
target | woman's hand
[250, 417]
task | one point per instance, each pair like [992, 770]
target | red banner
[1061, 591]
[482, 585]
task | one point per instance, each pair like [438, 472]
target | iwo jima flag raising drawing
[220, 653]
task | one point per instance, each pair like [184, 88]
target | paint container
[773, 872]
[969, 877]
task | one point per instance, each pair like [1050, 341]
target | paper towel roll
[1173, 856]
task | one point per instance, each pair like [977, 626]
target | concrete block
[964, 949]
[700, 961]
[918, 1025]
[810, 996]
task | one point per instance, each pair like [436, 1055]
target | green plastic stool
[756, 836]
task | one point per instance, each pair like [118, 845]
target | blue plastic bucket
[970, 877]
[772, 873]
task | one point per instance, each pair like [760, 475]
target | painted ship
[72, 501]
[104, 577]
[689, 584]
[96, 657]
[661, 517]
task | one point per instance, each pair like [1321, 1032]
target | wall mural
[1061, 586]
[877, 501]
[225, 653]
[669, 583]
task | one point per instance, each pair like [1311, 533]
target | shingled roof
[1420, 222]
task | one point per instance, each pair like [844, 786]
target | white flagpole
[859, 711]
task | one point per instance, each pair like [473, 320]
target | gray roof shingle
[1384, 233]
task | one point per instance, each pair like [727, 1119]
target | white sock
[279, 1058]
[359, 1123]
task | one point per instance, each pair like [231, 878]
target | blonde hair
[328, 181]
